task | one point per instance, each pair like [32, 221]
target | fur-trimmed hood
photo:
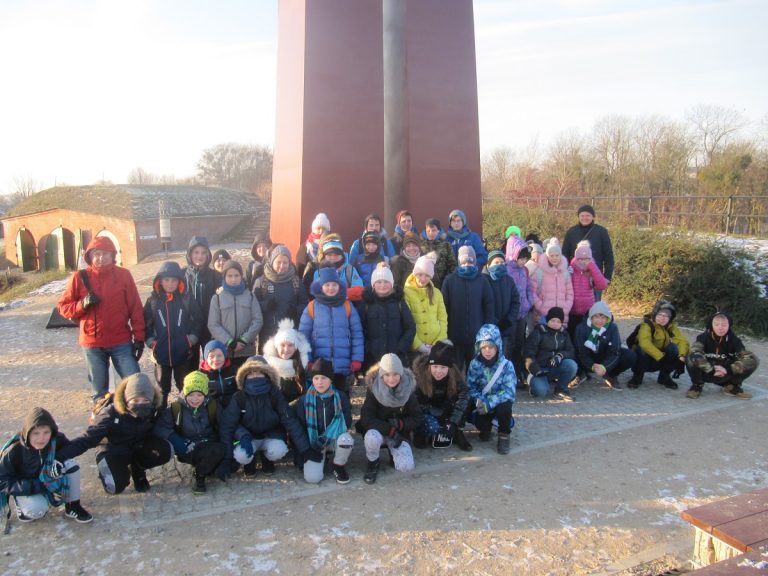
[121, 406]
[256, 364]
[285, 368]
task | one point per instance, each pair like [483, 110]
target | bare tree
[139, 176]
[239, 166]
[565, 165]
[714, 126]
[496, 172]
[24, 187]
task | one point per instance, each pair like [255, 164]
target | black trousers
[164, 374]
[502, 412]
[205, 457]
[122, 467]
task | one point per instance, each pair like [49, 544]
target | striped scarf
[334, 429]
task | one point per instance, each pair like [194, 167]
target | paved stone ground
[45, 367]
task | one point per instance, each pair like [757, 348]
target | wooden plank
[731, 566]
[744, 531]
[708, 516]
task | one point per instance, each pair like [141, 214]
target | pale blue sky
[92, 88]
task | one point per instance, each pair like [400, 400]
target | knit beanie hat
[553, 247]
[327, 274]
[512, 230]
[433, 222]
[213, 345]
[555, 312]
[138, 385]
[425, 265]
[458, 213]
[195, 382]
[536, 249]
[371, 237]
[599, 307]
[441, 353]
[279, 250]
[330, 242]
[495, 254]
[411, 237]
[221, 253]
[323, 367]
[391, 364]
[287, 333]
[321, 220]
[586, 208]
[583, 250]
[382, 272]
[229, 265]
[467, 256]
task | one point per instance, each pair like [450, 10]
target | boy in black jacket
[173, 322]
[33, 472]
[202, 282]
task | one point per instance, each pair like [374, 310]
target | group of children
[444, 332]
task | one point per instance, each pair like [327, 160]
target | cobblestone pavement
[45, 367]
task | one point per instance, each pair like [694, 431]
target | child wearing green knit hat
[190, 425]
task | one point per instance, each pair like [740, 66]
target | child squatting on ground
[326, 415]
[34, 475]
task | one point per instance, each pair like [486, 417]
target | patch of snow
[55, 287]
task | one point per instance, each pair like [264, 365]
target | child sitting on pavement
[35, 475]
[492, 383]
[326, 415]
[191, 425]
[550, 357]
[718, 356]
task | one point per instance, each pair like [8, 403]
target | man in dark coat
[599, 241]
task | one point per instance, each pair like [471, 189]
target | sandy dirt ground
[593, 487]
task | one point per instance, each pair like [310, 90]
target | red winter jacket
[119, 316]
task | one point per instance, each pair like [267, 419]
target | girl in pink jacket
[586, 277]
[552, 282]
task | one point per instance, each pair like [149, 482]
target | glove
[557, 359]
[180, 444]
[313, 455]
[246, 443]
[397, 440]
[138, 349]
[90, 300]
[57, 470]
[222, 470]
[481, 407]
[355, 366]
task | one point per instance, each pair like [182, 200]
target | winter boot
[267, 466]
[75, 511]
[667, 381]
[736, 391]
[249, 470]
[139, 477]
[198, 483]
[371, 472]
[461, 441]
[635, 381]
[694, 391]
[340, 473]
[503, 445]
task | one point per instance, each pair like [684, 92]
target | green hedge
[699, 276]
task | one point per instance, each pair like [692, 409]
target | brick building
[48, 229]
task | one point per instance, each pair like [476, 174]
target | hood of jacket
[199, 241]
[37, 417]
[666, 305]
[256, 364]
[259, 239]
[99, 243]
[169, 270]
[122, 406]
[283, 367]
[489, 332]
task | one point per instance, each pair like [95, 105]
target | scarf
[498, 272]
[332, 301]
[334, 429]
[410, 259]
[313, 245]
[392, 397]
[594, 335]
[467, 272]
[460, 235]
[276, 278]
[234, 290]
[257, 386]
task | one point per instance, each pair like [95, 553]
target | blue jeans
[97, 364]
[562, 375]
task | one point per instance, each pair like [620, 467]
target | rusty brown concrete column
[329, 143]
[330, 134]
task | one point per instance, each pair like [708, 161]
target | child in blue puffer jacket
[492, 382]
[332, 326]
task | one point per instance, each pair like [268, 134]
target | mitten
[246, 443]
[355, 366]
[179, 443]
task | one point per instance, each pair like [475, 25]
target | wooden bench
[730, 532]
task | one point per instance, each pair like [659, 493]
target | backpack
[177, 413]
[632, 338]
[311, 309]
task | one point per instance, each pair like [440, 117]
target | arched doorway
[60, 250]
[108, 234]
[26, 255]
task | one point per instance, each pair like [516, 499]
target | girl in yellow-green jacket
[426, 305]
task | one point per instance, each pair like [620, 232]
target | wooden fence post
[650, 210]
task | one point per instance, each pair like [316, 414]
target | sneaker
[693, 392]
[371, 472]
[666, 381]
[635, 381]
[578, 381]
[75, 511]
[736, 391]
[198, 484]
[249, 470]
[612, 382]
[564, 395]
[461, 441]
[267, 466]
[340, 473]
[503, 445]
